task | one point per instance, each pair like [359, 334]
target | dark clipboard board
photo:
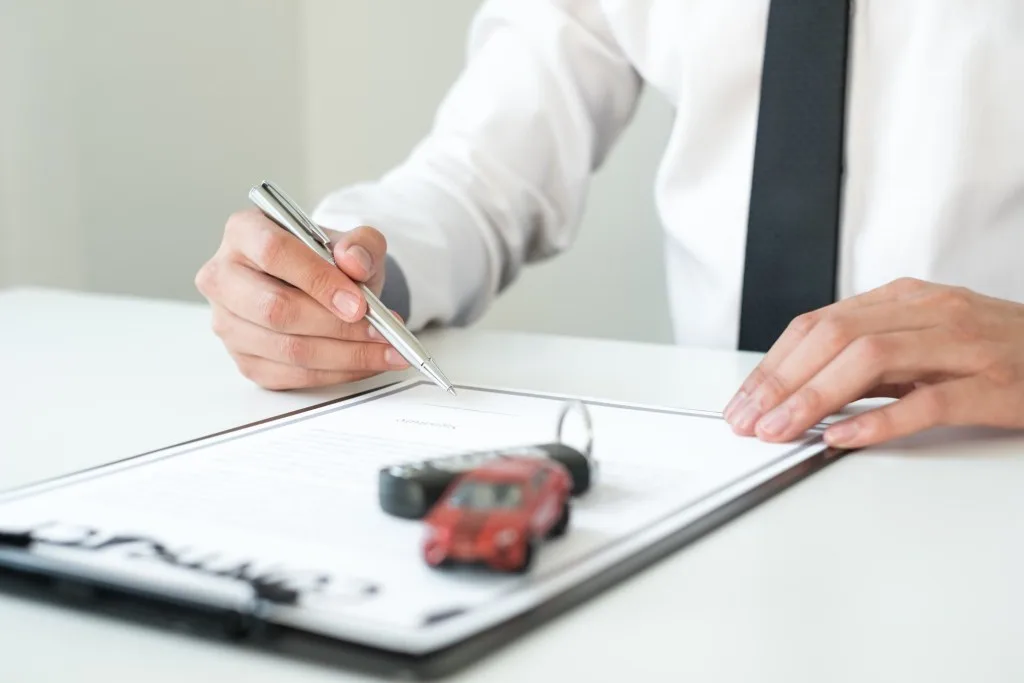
[242, 630]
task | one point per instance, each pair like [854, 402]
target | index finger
[273, 250]
[802, 325]
[889, 358]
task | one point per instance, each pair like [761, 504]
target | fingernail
[361, 256]
[347, 304]
[730, 408]
[841, 433]
[775, 422]
[373, 333]
[395, 359]
[746, 415]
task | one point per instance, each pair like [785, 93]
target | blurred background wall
[130, 130]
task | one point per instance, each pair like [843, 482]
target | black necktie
[793, 225]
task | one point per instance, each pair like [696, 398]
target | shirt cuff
[395, 293]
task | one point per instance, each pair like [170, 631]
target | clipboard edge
[204, 621]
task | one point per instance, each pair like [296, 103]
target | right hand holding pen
[288, 318]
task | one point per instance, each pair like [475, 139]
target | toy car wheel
[559, 527]
[527, 562]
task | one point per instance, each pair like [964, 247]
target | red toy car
[496, 514]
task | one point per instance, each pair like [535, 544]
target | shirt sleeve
[501, 178]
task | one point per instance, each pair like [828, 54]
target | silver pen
[283, 211]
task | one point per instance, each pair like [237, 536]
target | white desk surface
[902, 563]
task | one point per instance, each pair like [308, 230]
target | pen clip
[278, 206]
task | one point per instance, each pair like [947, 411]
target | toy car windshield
[480, 495]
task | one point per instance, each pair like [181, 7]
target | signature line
[471, 410]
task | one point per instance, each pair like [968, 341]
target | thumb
[360, 254]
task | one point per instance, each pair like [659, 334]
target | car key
[410, 489]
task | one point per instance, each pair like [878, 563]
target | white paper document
[297, 497]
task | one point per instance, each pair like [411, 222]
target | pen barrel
[276, 205]
[391, 328]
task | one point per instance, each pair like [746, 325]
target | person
[929, 286]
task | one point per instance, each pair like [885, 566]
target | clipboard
[234, 610]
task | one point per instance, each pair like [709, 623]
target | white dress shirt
[934, 184]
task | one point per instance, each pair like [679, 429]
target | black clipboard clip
[15, 539]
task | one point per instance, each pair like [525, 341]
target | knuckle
[756, 379]
[220, 325]
[955, 300]
[205, 278]
[368, 237]
[275, 310]
[1000, 371]
[268, 248]
[869, 351]
[376, 243]
[907, 285]
[295, 350]
[958, 299]
[804, 323]
[1003, 374]
[322, 284]
[238, 225]
[934, 405]
[771, 391]
[810, 400]
[364, 356]
[956, 308]
[248, 368]
[984, 357]
[835, 333]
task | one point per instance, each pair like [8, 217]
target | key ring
[588, 426]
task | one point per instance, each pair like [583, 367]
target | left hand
[949, 355]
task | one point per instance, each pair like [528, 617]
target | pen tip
[431, 370]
